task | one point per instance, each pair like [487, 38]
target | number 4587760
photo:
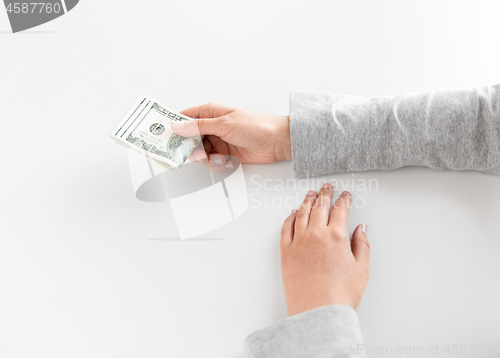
[34, 7]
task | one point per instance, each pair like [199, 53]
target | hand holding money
[211, 130]
[250, 137]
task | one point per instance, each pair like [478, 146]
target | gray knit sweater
[442, 130]
[456, 130]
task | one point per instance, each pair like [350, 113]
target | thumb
[360, 245]
[198, 126]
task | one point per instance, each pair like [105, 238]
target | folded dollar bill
[145, 128]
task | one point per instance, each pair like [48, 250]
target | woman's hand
[250, 137]
[320, 264]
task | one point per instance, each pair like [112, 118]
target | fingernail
[328, 186]
[218, 161]
[229, 165]
[346, 193]
[201, 159]
[365, 228]
[294, 211]
[311, 193]
[177, 125]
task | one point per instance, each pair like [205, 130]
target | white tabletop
[87, 270]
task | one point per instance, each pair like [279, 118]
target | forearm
[458, 130]
[329, 331]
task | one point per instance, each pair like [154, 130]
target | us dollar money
[146, 129]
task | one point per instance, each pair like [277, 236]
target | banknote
[145, 128]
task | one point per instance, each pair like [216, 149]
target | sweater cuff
[329, 331]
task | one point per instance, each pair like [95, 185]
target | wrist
[284, 143]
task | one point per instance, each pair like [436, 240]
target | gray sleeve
[329, 331]
[456, 130]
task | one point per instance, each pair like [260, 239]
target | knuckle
[339, 234]
[222, 119]
[335, 230]
[284, 229]
[339, 203]
[316, 233]
[323, 201]
[319, 201]
[309, 201]
[303, 212]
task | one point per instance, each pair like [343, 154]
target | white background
[79, 273]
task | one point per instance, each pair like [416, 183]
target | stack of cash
[146, 129]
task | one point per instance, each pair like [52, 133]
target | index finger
[207, 110]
